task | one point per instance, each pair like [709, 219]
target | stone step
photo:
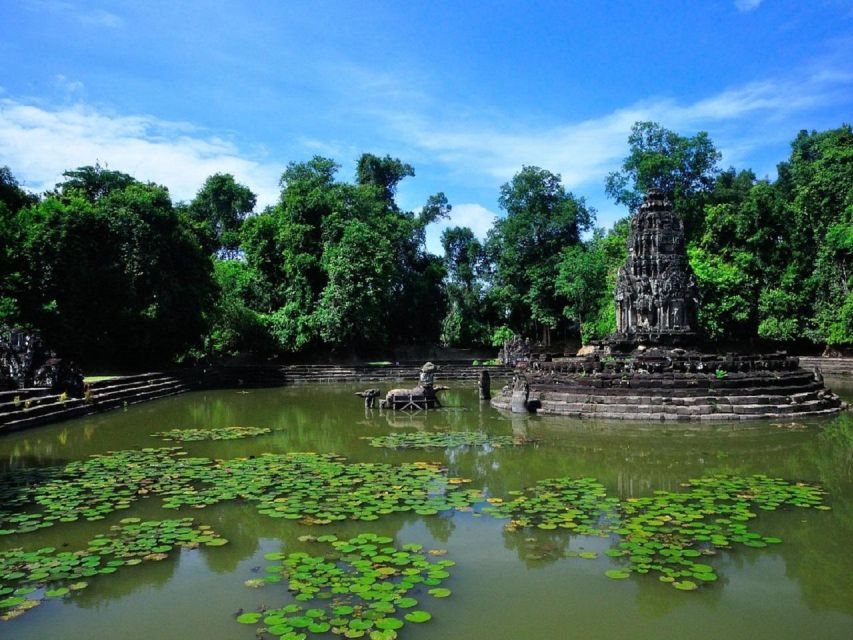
[681, 392]
[124, 381]
[141, 396]
[64, 413]
[134, 378]
[133, 385]
[48, 402]
[27, 393]
[609, 400]
[40, 409]
[812, 406]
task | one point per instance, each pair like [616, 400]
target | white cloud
[101, 18]
[95, 17]
[584, 152]
[475, 216]
[747, 5]
[38, 144]
[472, 215]
[67, 85]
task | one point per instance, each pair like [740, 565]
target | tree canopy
[111, 271]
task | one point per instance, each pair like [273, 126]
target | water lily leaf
[418, 616]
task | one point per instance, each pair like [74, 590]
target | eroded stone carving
[424, 396]
[25, 361]
[656, 292]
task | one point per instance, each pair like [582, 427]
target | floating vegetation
[311, 488]
[323, 488]
[577, 504]
[89, 489]
[362, 587]
[219, 433]
[444, 440]
[28, 577]
[668, 533]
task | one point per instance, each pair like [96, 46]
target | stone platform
[673, 385]
[654, 367]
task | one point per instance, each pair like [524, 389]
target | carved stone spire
[656, 293]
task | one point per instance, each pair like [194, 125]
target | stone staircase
[828, 366]
[24, 408]
[295, 374]
[782, 395]
[703, 408]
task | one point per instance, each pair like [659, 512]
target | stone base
[677, 385]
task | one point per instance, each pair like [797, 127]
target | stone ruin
[652, 367]
[26, 362]
[423, 396]
[656, 292]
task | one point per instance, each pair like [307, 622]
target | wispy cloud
[67, 85]
[472, 215]
[40, 143]
[101, 18]
[745, 6]
[584, 152]
[90, 17]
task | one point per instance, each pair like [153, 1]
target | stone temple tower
[656, 292]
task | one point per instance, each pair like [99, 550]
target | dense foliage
[107, 269]
[112, 272]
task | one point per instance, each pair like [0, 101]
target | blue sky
[467, 92]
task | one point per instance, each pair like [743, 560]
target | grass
[97, 378]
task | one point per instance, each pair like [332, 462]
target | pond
[504, 582]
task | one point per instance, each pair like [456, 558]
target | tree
[12, 196]
[683, 168]
[12, 199]
[542, 218]
[383, 173]
[220, 207]
[468, 320]
[816, 186]
[356, 301]
[235, 327]
[737, 260]
[305, 252]
[114, 275]
[93, 183]
[587, 277]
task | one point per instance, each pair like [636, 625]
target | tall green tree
[314, 253]
[12, 199]
[587, 276]
[684, 168]
[470, 317]
[817, 184]
[114, 274]
[542, 218]
[219, 208]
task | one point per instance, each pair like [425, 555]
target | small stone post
[485, 385]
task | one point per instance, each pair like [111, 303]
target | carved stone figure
[25, 361]
[515, 351]
[369, 396]
[656, 292]
[520, 394]
[421, 397]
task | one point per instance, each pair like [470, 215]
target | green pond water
[505, 584]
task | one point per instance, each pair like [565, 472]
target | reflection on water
[506, 584]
